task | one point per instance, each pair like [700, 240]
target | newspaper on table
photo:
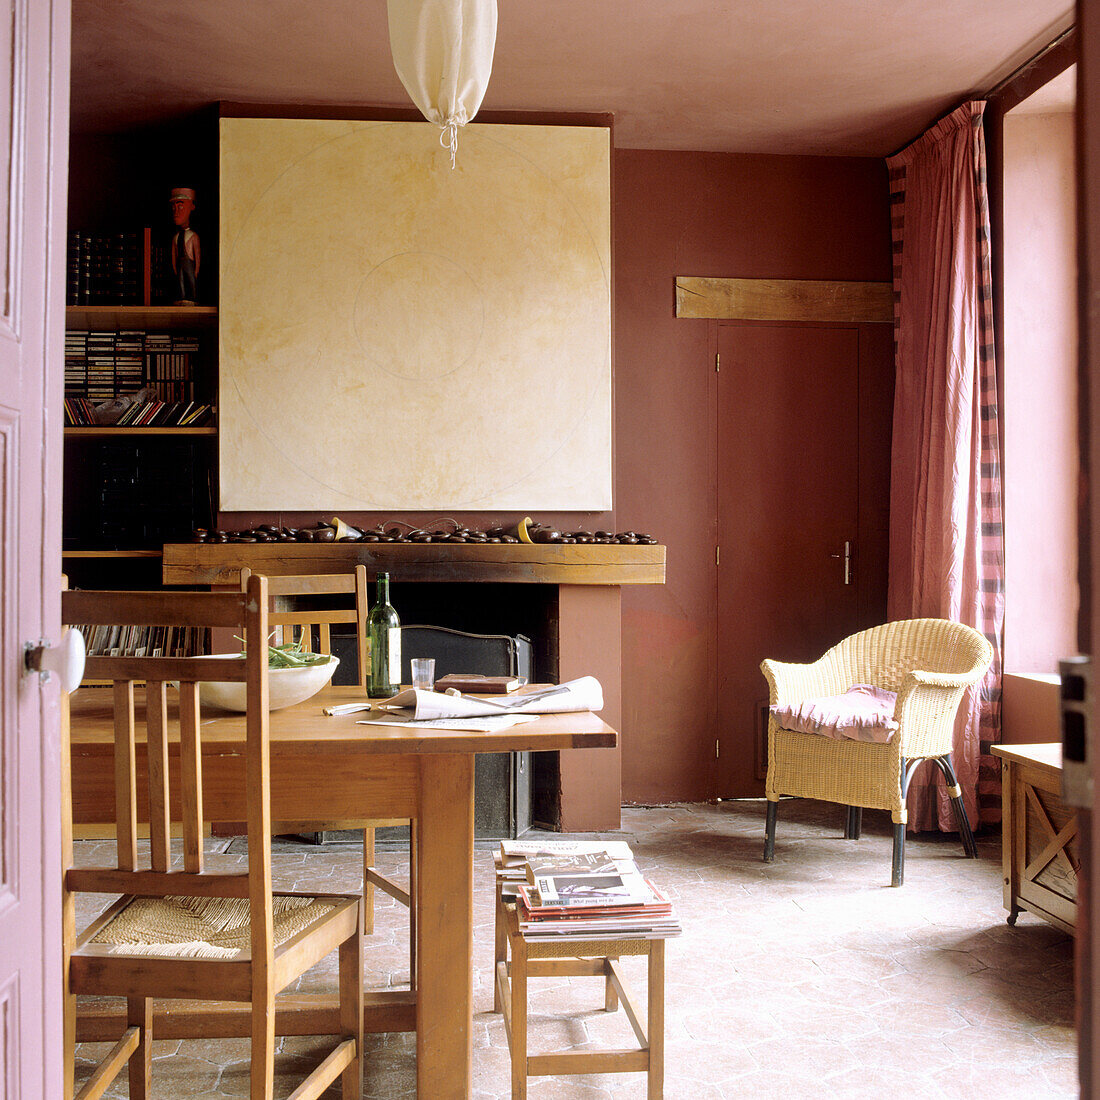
[575, 695]
[436, 710]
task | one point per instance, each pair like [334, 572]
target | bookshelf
[130, 488]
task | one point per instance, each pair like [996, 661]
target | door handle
[65, 660]
[847, 555]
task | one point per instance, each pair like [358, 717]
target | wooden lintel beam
[784, 300]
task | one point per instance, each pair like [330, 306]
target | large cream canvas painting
[398, 335]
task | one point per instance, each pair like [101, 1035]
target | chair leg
[897, 876]
[368, 886]
[853, 828]
[68, 1086]
[769, 832]
[351, 1013]
[262, 1070]
[955, 791]
[139, 1013]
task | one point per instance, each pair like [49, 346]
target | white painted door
[34, 51]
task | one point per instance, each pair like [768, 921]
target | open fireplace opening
[506, 629]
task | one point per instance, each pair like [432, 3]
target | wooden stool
[573, 957]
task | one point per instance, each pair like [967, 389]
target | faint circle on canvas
[400, 323]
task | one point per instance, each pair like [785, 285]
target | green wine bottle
[383, 644]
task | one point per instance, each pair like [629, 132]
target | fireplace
[565, 598]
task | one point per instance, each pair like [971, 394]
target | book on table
[476, 684]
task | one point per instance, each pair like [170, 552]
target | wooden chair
[180, 931]
[305, 620]
[929, 663]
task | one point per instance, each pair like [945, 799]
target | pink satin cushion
[862, 713]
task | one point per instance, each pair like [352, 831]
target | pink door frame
[33, 178]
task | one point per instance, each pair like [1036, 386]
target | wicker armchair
[929, 663]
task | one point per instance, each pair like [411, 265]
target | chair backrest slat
[160, 821]
[153, 608]
[165, 668]
[125, 775]
[191, 777]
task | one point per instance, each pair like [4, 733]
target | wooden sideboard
[1039, 831]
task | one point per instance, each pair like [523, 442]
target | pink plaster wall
[1040, 392]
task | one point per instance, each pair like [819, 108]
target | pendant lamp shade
[443, 53]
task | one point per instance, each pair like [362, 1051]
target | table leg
[444, 933]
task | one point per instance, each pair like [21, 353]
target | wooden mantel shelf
[514, 563]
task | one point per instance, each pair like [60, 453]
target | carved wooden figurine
[185, 248]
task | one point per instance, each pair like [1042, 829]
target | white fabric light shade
[443, 53]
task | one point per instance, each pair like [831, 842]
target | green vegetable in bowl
[289, 655]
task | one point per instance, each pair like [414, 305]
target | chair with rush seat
[929, 664]
[314, 633]
[179, 930]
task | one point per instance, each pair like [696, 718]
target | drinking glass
[423, 673]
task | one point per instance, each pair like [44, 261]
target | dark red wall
[720, 215]
[674, 213]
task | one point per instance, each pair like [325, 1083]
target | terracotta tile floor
[808, 977]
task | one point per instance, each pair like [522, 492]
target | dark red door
[788, 447]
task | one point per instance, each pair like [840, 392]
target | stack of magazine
[586, 889]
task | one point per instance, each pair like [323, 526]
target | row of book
[81, 412]
[586, 889]
[103, 365]
[129, 267]
[144, 641]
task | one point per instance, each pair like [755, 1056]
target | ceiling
[857, 77]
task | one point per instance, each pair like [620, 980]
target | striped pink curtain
[946, 548]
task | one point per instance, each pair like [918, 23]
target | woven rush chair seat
[202, 928]
[929, 664]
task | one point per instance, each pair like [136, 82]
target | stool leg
[610, 996]
[519, 1018]
[655, 1021]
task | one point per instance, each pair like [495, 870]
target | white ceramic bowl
[286, 686]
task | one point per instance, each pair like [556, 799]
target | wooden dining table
[335, 768]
